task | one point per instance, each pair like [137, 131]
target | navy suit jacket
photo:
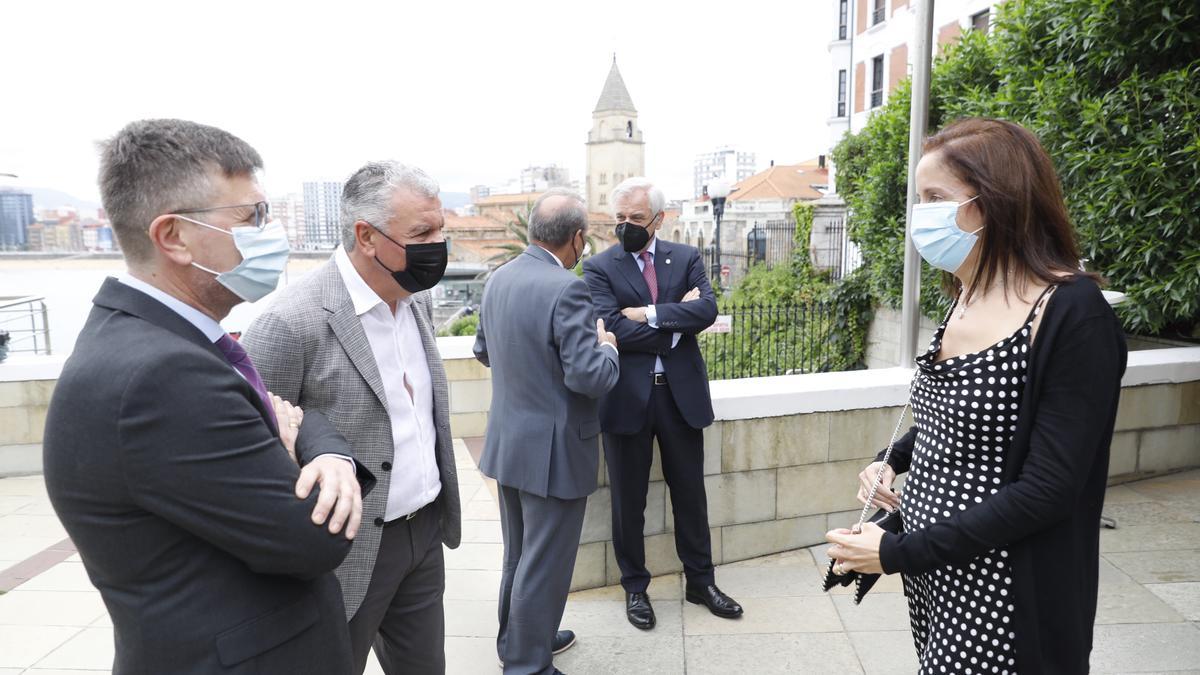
[616, 283]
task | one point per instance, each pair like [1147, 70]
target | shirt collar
[203, 322]
[560, 263]
[361, 295]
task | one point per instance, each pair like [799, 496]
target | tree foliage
[1112, 89]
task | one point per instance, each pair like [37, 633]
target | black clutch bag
[890, 521]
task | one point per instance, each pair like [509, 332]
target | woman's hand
[855, 552]
[287, 418]
[884, 497]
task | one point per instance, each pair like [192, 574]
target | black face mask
[634, 238]
[426, 265]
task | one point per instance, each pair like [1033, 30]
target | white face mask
[264, 257]
[936, 234]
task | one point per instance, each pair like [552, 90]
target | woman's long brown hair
[1027, 233]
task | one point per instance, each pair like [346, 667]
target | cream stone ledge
[30, 367]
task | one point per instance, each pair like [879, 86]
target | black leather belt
[405, 519]
[660, 379]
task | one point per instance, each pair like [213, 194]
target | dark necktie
[237, 357]
[650, 275]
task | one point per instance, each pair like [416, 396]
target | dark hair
[152, 167]
[560, 224]
[1026, 226]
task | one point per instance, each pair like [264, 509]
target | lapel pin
[668, 261]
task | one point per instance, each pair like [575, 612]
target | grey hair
[557, 227]
[155, 167]
[367, 194]
[638, 183]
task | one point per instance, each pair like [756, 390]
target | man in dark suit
[549, 366]
[171, 467]
[655, 297]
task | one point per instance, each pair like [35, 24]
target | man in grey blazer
[354, 341]
[549, 368]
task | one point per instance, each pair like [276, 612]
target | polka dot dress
[965, 409]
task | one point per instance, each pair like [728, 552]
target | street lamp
[718, 190]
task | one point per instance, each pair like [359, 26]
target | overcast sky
[470, 91]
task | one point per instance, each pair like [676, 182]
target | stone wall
[780, 463]
[883, 338]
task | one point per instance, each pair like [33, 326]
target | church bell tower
[615, 150]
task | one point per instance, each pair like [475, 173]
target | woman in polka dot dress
[1013, 407]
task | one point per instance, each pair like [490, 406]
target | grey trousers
[402, 614]
[541, 538]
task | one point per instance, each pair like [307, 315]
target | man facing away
[549, 366]
[656, 298]
[165, 457]
[354, 340]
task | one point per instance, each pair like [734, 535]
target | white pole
[910, 310]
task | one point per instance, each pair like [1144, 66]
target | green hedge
[1112, 88]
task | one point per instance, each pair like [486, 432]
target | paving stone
[1123, 494]
[878, 612]
[1156, 567]
[1141, 648]
[1184, 597]
[1121, 600]
[1149, 513]
[475, 557]
[886, 652]
[1180, 487]
[803, 653]
[65, 576]
[1162, 537]
[90, 649]
[472, 618]
[799, 614]
[659, 653]
[22, 646]
[606, 618]
[50, 608]
[466, 655]
[472, 584]
[482, 532]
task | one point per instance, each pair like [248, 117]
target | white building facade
[322, 214]
[615, 149]
[870, 53]
[725, 163]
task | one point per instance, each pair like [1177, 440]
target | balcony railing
[27, 322]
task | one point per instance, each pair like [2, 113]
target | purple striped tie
[240, 360]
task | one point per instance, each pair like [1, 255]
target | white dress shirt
[651, 312]
[400, 356]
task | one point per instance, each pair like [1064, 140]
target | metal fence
[770, 243]
[27, 322]
[751, 340]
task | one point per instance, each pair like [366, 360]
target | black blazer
[180, 498]
[1048, 510]
[616, 283]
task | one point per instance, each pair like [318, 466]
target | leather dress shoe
[717, 602]
[639, 611]
[563, 640]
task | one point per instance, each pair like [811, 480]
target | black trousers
[629, 457]
[402, 615]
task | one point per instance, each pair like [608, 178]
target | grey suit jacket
[537, 333]
[311, 349]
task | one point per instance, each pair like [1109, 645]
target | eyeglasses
[262, 212]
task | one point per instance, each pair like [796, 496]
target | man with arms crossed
[167, 460]
[354, 340]
[656, 298]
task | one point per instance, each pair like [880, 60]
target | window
[880, 12]
[841, 94]
[843, 16]
[604, 179]
[603, 199]
[629, 129]
[877, 81]
[980, 21]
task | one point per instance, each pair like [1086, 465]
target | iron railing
[760, 340]
[27, 322]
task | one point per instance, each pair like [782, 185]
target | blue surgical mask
[936, 234]
[264, 257]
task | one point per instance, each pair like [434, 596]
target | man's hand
[287, 419]
[340, 493]
[691, 295]
[603, 336]
[637, 314]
